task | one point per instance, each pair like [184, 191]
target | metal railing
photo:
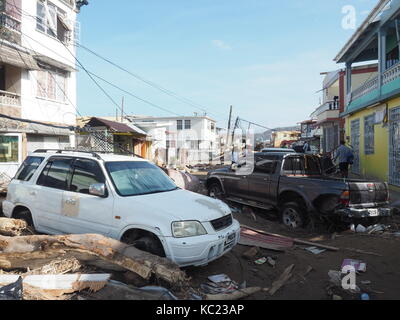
[365, 88]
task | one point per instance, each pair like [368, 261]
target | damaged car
[297, 186]
[121, 197]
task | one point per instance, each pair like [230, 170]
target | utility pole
[229, 127]
[122, 113]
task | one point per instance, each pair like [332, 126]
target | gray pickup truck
[296, 185]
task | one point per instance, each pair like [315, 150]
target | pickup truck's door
[81, 211]
[235, 185]
[260, 180]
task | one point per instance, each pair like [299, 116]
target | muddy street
[381, 280]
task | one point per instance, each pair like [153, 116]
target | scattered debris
[365, 296]
[251, 253]
[359, 266]
[280, 282]
[335, 277]
[364, 252]
[12, 291]
[250, 237]
[236, 295]
[336, 297]
[261, 261]
[315, 250]
[12, 227]
[58, 266]
[54, 286]
[378, 228]
[219, 278]
[271, 262]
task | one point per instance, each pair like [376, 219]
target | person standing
[346, 157]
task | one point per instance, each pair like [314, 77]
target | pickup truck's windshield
[302, 165]
[132, 178]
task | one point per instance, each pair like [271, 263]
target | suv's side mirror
[98, 189]
[234, 166]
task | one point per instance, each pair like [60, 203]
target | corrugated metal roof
[115, 126]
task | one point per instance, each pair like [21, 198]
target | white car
[126, 198]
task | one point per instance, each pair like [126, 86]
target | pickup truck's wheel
[215, 191]
[292, 215]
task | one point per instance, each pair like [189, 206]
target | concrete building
[327, 115]
[372, 109]
[180, 140]
[37, 77]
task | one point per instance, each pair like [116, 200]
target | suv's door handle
[33, 193]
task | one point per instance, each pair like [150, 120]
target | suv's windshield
[302, 165]
[132, 178]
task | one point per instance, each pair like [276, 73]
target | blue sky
[263, 57]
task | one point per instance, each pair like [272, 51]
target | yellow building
[372, 112]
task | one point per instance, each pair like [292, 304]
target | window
[179, 124]
[307, 165]
[86, 173]
[188, 124]
[212, 126]
[369, 134]
[133, 178]
[265, 165]
[52, 85]
[28, 168]
[51, 20]
[9, 146]
[55, 174]
[171, 144]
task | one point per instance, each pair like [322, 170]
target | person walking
[346, 158]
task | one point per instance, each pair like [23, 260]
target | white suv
[126, 198]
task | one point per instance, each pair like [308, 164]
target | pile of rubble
[90, 267]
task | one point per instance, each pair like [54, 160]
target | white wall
[41, 109]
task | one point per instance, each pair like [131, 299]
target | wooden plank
[281, 281]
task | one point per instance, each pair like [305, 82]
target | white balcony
[328, 110]
[10, 99]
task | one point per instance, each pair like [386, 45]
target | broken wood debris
[250, 237]
[12, 227]
[281, 281]
[36, 251]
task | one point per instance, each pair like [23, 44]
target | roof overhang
[373, 19]
[44, 61]
[19, 58]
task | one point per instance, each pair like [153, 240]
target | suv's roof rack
[59, 151]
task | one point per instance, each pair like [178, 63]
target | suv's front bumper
[353, 213]
[198, 251]
[8, 208]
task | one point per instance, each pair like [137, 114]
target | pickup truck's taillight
[345, 198]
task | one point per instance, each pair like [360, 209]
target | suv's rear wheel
[215, 191]
[293, 215]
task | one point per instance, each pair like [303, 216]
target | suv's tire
[25, 215]
[148, 244]
[215, 191]
[293, 215]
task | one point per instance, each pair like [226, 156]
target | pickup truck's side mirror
[98, 189]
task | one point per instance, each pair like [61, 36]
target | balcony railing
[391, 74]
[366, 88]
[327, 106]
[9, 22]
[10, 99]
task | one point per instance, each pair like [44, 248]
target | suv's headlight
[184, 229]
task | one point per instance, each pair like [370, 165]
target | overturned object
[36, 251]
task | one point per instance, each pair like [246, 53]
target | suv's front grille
[222, 223]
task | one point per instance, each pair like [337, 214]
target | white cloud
[221, 45]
